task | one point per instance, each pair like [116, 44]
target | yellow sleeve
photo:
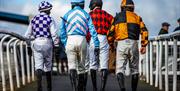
[110, 34]
[144, 34]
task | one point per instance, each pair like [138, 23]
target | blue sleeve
[62, 33]
[93, 32]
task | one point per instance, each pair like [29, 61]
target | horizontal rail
[162, 49]
[165, 36]
[19, 63]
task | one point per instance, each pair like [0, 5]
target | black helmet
[127, 5]
[95, 3]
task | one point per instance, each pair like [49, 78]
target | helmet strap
[127, 8]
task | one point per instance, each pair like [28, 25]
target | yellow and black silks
[128, 25]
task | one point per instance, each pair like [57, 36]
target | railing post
[27, 65]
[175, 65]
[32, 67]
[151, 62]
[2, 63]
[160, 64]
[144, 66]
[22, 63]
[9, 64]
[147, 64]
[140, 65]
[166, 67]
[16, 63]
[157, 63]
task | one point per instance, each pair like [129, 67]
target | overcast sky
[153, 12]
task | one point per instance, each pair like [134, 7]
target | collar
[77, 7]
[163, 29]
[97, 8]
[43, 13]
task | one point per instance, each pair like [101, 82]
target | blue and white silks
[77, 22]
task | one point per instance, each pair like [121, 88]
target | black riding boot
[80, 82]
[39, 73]
[73, 78]
[120, 78]
[85, 80]
[134, 82]
[104, 74]
[49, 81]
[93, 78]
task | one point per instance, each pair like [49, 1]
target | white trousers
[76, 49]
[103, 56]
[42, 49]
[127, 50]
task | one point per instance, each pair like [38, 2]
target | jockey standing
[73, 30]
[43, 29]
[126, 29]
[102, 22]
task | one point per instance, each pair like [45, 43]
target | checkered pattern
[101, 20]
[41, 25]
[45, 6]
[128, 25]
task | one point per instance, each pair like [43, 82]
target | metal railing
[161, 59]
[14, 61]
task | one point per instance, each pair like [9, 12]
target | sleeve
[62, 33]
[54, 32]
[110, 34]
[28, 33]
[144, 34]
[93, 32]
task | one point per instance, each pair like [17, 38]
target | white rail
[158, 61]
[18, 64]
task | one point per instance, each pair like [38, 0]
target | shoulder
[108, 14]
[67, 13]
[177, 28]
[84, 12]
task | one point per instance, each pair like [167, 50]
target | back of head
[79, 3]
[127, 5]
[95, 3]
[165, 24]
[45, 7]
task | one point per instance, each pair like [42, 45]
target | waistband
[128, 40]
[76, 36]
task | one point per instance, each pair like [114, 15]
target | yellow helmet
[127, 3]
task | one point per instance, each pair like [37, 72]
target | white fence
[15, 67]
[161, 60]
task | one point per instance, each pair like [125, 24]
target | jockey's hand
[112, 49]
[29, 51]
[96, 53]
[143, 50]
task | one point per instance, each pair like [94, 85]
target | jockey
[43, 29]
[73, 30]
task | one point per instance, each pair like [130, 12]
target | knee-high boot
[39, 73]
[93, 78]
[80, 86]
[49, 81]
[134, 82]
[85, 81]
[120, 77]
[73, 78]
[104, 74]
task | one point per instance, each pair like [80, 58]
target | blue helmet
[77, 2]
[44, 6]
